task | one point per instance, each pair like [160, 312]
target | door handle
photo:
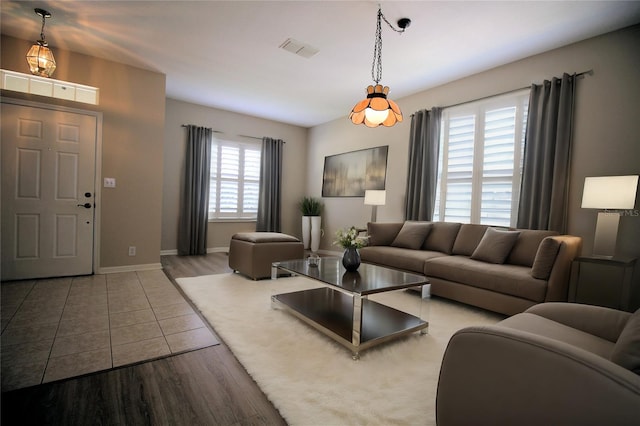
[85, 205]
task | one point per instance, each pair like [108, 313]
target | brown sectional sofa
[505, 271]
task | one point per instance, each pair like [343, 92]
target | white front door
[48, 184]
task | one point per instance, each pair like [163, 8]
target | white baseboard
[218, 250]
[174, 252]
[129, 268]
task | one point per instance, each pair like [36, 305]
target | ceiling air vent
[299, 48]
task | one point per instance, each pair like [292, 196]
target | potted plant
[311, 209]
[309, 206]
[351, 241]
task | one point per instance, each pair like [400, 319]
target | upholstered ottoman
[252, 253]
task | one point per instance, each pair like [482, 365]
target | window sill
[232, 220]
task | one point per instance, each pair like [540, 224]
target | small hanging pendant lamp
[40, 57]
[376, 109]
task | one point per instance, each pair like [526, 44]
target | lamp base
[604, 243]
[374, 213]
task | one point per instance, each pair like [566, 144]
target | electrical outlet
[132, 251]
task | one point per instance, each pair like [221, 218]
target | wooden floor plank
[207, 386]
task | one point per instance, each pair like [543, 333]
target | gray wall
[606, 139]
[232, 126]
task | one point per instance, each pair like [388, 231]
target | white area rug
[311, 379]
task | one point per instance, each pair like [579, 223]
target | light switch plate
[109, 182]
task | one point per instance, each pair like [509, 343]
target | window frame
[238, 215]
[478, 109]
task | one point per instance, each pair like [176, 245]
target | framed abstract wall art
[351, 173]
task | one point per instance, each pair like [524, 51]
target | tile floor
[54, 329]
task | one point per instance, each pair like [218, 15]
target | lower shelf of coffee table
[331, 312]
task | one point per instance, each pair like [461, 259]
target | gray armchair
[556, 363]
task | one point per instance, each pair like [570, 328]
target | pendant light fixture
[376, 109]
[40, 57]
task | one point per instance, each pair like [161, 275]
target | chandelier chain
[398, 30]
[42, 29]
[376, 66]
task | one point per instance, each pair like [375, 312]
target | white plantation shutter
[251, 181]
[459, 169]
[229, 173]
[235, 175]
[213, 179]
[480, 164]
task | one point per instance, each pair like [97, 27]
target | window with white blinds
[234, 180]
[480, 163]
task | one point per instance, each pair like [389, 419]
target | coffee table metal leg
[357, 324]
[425, 296]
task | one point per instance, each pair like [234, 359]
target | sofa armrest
[558, 284]
[496, 375]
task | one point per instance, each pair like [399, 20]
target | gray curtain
[424, 144]
[270, 186]
[545, 177]
[192, 230]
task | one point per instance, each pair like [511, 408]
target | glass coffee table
[341, 309]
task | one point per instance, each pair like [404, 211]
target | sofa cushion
[468, 238]
[396, 257]
[626, 351]
[265, 237]
[441, 237]
[513, 280]
[495, 245]
[545, 258]
[525, 249]
[383, 233]
[412, 235]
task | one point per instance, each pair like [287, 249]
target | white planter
[316, 233]
[306, 231]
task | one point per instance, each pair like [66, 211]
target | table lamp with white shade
[374, 198]
[608, 192]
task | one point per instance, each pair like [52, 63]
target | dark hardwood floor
[203, 387]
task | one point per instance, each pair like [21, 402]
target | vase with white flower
[351, 241]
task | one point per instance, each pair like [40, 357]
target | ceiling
[226, 54]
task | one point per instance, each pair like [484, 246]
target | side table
[602, 281]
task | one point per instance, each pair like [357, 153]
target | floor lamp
[374, 198]
[608, 192]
